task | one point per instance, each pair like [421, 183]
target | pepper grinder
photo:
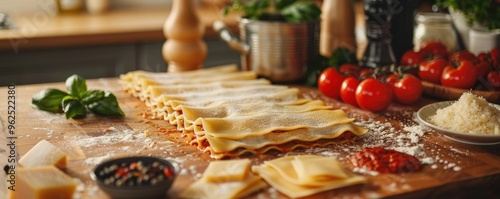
[378, 52]
[184, 48]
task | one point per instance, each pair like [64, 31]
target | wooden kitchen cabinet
[51, 65]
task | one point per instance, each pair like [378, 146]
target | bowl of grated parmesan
[470, 119]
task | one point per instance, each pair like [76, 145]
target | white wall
[11, 6]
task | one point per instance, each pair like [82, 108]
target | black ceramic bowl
[104, 175]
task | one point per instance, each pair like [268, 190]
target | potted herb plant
[477, 21]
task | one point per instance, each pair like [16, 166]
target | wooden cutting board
[89, 140]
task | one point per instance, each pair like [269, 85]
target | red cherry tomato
[482, 56]
[348, 90]
[464, 76]
[373, 95]
[411, 58]
[366, 73]
[431, 70]
[329, 82]
[483, 68]
[494, 79]
[464, 55]
[406, 89]
[434, 49]
[350, 70]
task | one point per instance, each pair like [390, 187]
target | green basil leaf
[48, 100]
[76, 86]
[73, 108]
[92, 96]
[107, 106]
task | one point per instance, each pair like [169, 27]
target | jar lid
[433, 17]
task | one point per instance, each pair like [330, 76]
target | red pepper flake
[385, 161]
[168, 172]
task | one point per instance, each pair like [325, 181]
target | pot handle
[233, 41]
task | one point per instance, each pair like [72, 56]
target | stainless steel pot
[279, 51]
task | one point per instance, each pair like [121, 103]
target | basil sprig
[77, 100]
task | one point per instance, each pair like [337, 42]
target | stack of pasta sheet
[227, 112]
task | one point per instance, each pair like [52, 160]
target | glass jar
[434, 27]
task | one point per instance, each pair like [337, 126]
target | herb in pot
[484, 12]
[77, 100]
[295, 11]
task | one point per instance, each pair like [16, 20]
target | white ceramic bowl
[468, 138]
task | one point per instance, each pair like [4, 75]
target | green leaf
[48, 100]
[92, 96]
[301, 11]
[73, 108]
[342, 56]
[280, 4]
[107, 106]
[76, 86]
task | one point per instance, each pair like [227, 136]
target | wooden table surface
[89, 140]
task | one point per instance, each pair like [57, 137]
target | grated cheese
[470, 114]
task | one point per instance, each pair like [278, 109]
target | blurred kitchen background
[41, 41]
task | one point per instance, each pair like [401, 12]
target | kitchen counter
[43, 30]
[457, 170]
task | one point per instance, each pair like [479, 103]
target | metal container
[279, 51]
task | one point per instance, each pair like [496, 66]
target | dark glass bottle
[378, 52]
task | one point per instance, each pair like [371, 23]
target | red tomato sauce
[385, 161]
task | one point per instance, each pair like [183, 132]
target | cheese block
[295, 182]
[43, 183]
[44, 153]
[225, 179]
[227, 170]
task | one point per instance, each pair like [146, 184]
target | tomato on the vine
[431, 70]
[411, 58]
[407, 89]
[434, 49]
[482, 56]
[348, 90]
[464, 55]
[329, 82]
[350, 70]
[366, 73]
[463, 76]
[373, 95]
[494, 56]
[483, 67]
[494, 79]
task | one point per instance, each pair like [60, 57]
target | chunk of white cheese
[44, 154]
[46, 182]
